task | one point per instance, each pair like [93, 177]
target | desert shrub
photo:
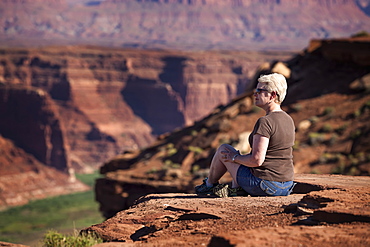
[152, 171]
[357, 113]
[333, 139]
[255, 109]
[315, 171]
[340, 130]
[296, 145]
[365, 107]
[339, 169]
[329, 111]
[326, 128]
[194, 133]
[171, 150]
[354, 171]
[171, 164]
[196, 150]
[356, 133]
[330, 158]
[55, 239]
[297, 107]
[314, 119]
[195, 168]
[203, 130]
[315, 138]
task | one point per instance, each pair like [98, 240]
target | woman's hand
[228, 154]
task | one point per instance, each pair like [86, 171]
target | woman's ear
[273, 94]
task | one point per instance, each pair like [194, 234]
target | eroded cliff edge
[323, 210]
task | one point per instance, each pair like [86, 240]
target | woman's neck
[273, 107]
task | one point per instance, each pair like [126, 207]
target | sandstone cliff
[232, 24]
[112, 100]
[29, 118]
[327, 98]
[34, 160]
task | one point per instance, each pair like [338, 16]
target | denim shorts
[259, 187]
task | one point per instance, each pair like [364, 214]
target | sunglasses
[260, 90]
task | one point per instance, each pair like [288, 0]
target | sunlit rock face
[111, 100]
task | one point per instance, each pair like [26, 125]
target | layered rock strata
[112, 100]
[189, 25]
[29, 118]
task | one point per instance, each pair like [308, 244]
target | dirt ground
[324, 210]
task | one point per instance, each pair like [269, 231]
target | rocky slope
[328, 98]
[228, 24]
[324, 210]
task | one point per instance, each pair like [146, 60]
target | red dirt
[335, 213]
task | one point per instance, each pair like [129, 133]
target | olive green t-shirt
[278, 165]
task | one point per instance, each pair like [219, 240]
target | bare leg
[219, 167]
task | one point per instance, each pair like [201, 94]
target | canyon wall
[113, 100]
[30, 120]
[185, 25]
[33, 149]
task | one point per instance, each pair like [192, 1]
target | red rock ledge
[324, 210]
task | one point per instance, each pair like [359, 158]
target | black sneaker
[237, 192]
[203, 189]
[221, 190]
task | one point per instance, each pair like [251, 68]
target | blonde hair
[275, 83]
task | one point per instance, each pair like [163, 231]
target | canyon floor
[323, 210]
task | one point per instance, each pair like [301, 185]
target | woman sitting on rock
[268, 169]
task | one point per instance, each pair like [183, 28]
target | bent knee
[224, 147]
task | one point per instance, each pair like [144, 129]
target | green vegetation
[255, 109]
[195, 168]
[171, 150]
[297, 107]
[315, 138]
[171, 164]
[361, 34]
[196, 150]
[345, 164]
[194, 133]
[341, 129]
[314, 119]
[55, 239]
[326, 128]
[28, 223]
[329, 111]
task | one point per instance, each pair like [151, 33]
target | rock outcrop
[331, 116]
[195, 24]
[323, 210]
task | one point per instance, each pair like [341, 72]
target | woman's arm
[257, 157]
